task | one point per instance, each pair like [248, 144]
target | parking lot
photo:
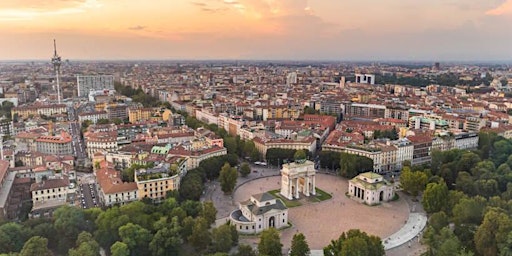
[88, 196]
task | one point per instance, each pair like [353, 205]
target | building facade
[298, 177]
[370, 188]
[94, 82]
[260, 212]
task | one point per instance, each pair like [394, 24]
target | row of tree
[137, 95]
[468, 198]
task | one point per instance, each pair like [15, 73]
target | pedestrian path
[412, 229]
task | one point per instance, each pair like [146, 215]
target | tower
[56, 61]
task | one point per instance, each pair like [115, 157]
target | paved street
[87, 195]
[78, 143]
[404, 241]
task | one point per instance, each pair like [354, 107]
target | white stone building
[370, 188]
[260, 212]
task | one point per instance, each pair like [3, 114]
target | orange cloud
[30, 9]
[503, 9]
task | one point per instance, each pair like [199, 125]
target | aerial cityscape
[255, 127]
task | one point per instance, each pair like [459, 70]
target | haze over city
[458, 30]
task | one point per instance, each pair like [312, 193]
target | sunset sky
[433, 30]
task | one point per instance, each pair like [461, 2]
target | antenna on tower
[56, 61]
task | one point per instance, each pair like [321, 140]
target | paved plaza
[324, 221]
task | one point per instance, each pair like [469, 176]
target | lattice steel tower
[56, 61]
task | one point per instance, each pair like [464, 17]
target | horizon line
[502, 61]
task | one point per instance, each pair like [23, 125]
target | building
[48, 195]
[155, 182]
[25, 112]
[422, 145]
[370, 188]
[137, 114]
[117, 111]
[112, 190]
[92, 116]
[56, 145]
[6, 181]
[365, 79]
[100, 141]
[260, 212]
[296, 177]
[96, 82]
[194, 158]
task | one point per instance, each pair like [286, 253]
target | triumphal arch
[298, 176]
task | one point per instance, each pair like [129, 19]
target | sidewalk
[412, 229]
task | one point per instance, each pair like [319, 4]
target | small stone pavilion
[260, 212]
[296, 177]
[370, 188]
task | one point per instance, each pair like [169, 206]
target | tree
[208, 212]
[351, 165]
[270, 243]
[11, 237]
[245, 169]
[300, 246]
[493, 232]
[438, 220]
[355, 242]
[245, 250]
[167, 239]
[200, 237]
[329, 160]
[69, 222]
[136, 237]
[36, 246]
[434, 197]
[191, 186]
[228, 176]
[119, 249]
[469, 211]
[221, 238]
[230, 145]
[413, 182]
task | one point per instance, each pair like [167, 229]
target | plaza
[324, 221]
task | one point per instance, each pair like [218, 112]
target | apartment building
[48, 195]
[155, 182]
[422, 146]
[34, 110]
[137, 114]
[58, 145]
[92, 116]
[305, 143]
[112, 190]
[195, 157]
[101, 141]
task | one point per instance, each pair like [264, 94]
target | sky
[340, 30]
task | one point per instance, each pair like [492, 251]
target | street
[88, 196]
[78, 143]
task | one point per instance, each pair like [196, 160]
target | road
[78, 143]
[88, 196]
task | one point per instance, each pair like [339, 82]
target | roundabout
[324, 221]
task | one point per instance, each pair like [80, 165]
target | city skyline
[456, 30]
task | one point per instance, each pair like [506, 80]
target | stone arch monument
[296, 177]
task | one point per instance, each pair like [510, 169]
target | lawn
[288, 203]
[322, 195]
[319, 197]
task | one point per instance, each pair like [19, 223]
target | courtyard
[324, 221]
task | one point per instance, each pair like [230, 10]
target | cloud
[138, 27]
[504, 9]
[40, 4]
[29, 9]
[200, 4]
